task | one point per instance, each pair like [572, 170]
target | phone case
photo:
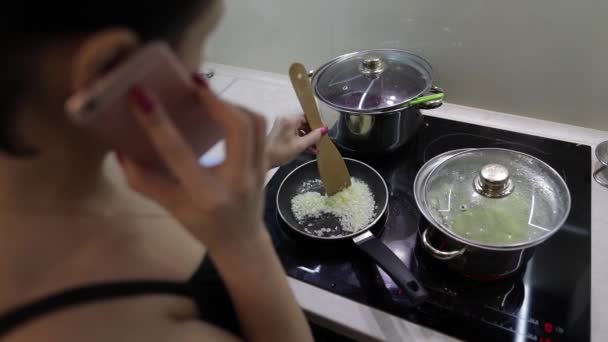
[104, 109]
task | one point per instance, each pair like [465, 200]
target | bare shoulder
[145, 318]
[194, 331]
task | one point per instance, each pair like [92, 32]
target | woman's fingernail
[324, 130]
[200, 81]
[143, 100]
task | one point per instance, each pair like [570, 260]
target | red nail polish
[143, 100]
[324, 130]
[200, 81]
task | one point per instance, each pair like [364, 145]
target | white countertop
[271, 94]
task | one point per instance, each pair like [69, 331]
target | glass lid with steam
[496, 198]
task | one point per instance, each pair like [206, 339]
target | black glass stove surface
[547, 301]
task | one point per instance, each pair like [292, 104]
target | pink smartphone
[104, 108]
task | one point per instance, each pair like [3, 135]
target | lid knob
[372, 64]
[493, 181]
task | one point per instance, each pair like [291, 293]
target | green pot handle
[424, 99]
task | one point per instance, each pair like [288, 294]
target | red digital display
[548, 328]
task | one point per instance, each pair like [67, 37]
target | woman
[84, 258]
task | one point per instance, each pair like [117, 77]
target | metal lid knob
[493, 181]
[372, 64]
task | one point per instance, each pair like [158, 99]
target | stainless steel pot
[371, 100]
[467, 194]
[473, 262]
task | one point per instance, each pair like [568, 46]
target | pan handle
[392, 265]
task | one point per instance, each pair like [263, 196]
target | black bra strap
[92, 293]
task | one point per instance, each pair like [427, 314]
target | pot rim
[517, 246]
[390, 110]
[393, 111]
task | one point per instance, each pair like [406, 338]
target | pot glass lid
[496, 197]
[374, 80]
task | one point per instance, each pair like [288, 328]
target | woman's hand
[222, 206]
[289, 137]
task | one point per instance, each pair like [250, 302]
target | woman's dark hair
[149, 19]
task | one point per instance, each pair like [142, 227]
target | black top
[205, 288]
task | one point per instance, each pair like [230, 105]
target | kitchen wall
[541, 58]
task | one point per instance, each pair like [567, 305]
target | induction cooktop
[547, 301]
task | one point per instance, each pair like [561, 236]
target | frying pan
[306, 178]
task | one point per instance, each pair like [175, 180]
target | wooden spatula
[332, 168]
